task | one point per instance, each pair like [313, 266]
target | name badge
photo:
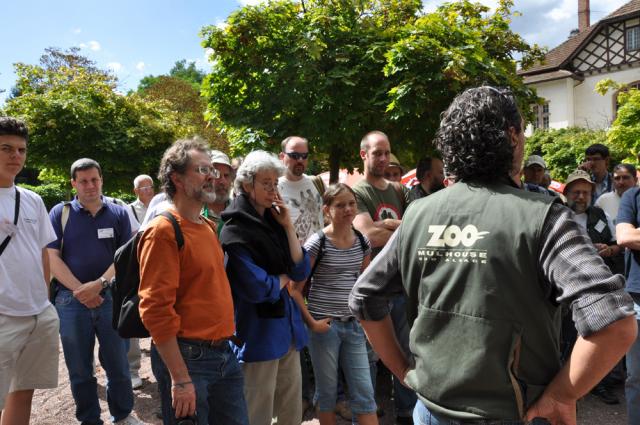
[105, 233]
[600, 225]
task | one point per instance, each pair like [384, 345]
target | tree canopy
[182, 70]
[73, 110]
[624, 133]
[332, 71]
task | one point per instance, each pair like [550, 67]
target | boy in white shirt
[28, 322]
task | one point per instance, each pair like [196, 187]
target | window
[541, 116]
[632, 38]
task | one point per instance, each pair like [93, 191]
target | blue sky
[140, 37]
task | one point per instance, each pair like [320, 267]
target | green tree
[73, 110]
[183, 70]
[624, 133]
[332, 71]
[563, 149]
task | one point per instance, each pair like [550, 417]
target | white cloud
[221, 24]
[568, 9]
[203, 62]
[115, 66]
[91, 45]
[77, 30]
[140, 66]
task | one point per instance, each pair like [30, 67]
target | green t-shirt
[380, 204]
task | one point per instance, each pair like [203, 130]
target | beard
[298, 170]
[577, 207]
[436, 185]
[204, 194]
[221, 197]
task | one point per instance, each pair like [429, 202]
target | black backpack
[126, 316]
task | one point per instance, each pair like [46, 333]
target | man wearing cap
[534, 172]
[221, 185]
[430, 175]
[600, 229]
[394, 170]
[486, 267]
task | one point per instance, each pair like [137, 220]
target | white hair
[255, 162]
[137, 180]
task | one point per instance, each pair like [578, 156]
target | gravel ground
[56, 407]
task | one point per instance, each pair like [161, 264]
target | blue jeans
[79, 327]
[404, 398]
[344, 343]
[632, 383]
[422, 416]
[217, 378]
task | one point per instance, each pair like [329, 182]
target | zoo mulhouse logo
[452, 244]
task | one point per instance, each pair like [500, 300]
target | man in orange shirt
[185, 298]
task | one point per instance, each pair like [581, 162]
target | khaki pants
[133, 356]
[273, 389]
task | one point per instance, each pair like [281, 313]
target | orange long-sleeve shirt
[184, 293]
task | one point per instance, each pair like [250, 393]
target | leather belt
[344, 319]
[213, 343]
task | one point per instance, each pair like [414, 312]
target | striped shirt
[334, 276]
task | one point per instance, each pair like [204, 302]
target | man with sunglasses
[298, 190]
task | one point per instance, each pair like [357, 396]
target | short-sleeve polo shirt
[90, 241]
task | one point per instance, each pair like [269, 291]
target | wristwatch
[104, 282]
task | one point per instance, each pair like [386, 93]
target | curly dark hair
[176, 159]
[10, 126]
[473, 137]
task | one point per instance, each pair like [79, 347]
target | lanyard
[16, 212]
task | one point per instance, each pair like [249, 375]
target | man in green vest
[486, 267]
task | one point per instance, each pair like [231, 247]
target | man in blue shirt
[628, 236]
[88, 234]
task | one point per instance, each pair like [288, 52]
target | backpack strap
[363, 243]
[323, 240]
[133, 210]
[176, 227]
[64, 218]
[319, 184]
[16, 213]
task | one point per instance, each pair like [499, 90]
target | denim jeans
[217, 378]
[344, 343]
[79, 327]
[632, 383]
[422, 416]
[404, 398]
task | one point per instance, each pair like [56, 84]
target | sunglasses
[297, 156]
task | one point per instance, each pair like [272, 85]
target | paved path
[56, 407]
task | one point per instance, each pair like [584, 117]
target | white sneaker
[129, 420]
[136, 382]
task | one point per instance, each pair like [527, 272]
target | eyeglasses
[268, 186]
[297, 156]
[146, 188]
[208, 170]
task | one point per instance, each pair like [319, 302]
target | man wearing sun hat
[394, 170]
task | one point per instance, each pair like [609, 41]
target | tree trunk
[334, 164]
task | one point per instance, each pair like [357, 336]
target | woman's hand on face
[281, 212]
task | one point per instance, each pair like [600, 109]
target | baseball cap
[535, 160]
[218, 157]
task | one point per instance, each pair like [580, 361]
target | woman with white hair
[264, 258]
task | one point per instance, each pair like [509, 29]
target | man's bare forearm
[61, 271]
[170, 353]
[382, 338]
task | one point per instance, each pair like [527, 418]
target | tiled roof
[551, 76]
[559, 55]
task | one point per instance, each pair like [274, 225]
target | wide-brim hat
[393, 162]
[578, 175]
